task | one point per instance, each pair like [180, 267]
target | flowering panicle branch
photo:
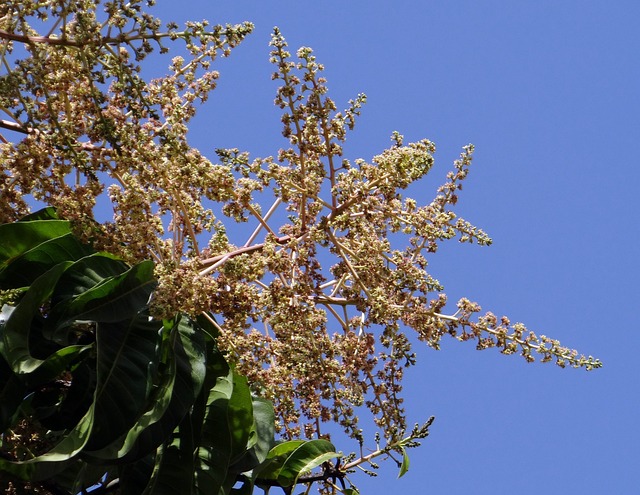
[332, 294]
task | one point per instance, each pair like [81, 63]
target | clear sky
[549, 92]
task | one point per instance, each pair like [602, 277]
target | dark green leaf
[134, 476]
[14, 342]
[12, 392]
[48, 213]
[58, 458]
[77, 399]
[28, 266]
[226, 430]
[174, 469]
[261, 439]
[126, 369]
[179, 383]
[112, 300]
[87, 273]
[19, 237]
[300, 457]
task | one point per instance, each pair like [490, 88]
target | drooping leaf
[226, 429]
[56, 459]
[261, 439]
[85, 274]
[240, 416]
[126, 368]
[77, 399]
[15, 342]
[179, 383]
[12, 391]
[79, 475]
[175, 463]
[134, 477]
[404, 467]
[215, 455]
[157, 399]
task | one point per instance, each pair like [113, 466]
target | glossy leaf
[85, 274]
[155, 398]
[174, 470]
[261, 439]
[47, 213]
[179, 383]
[216, 453]
[19, 237]
[29, 265]
[77, 398]
[300, 457]
[126, 365]
[226, 431]
[277, 456]
[113, 299]
[14, 344]
[134, 477]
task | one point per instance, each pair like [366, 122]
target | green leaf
[77, 398]
[47, 213]
[12, 392]
[134, 477]
[79, 475]
[29, 265]
[271, 466]
[216, 450]
[261, 439]
[176, 462]
[126, 369]
[87, 273]
[55, 460]
[306, 457]
[114, 299]
[404, 467]
[240, 416]
[288, 461]
[226, 429]
[174, 469]
[16, 328]
[179, 384]
[285, 449]
[19, 237]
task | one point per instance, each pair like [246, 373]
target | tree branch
[107, 40]
[13, 126]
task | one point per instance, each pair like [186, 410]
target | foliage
[108, 393]
[313, 306]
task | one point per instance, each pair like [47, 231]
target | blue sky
[548, 92]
